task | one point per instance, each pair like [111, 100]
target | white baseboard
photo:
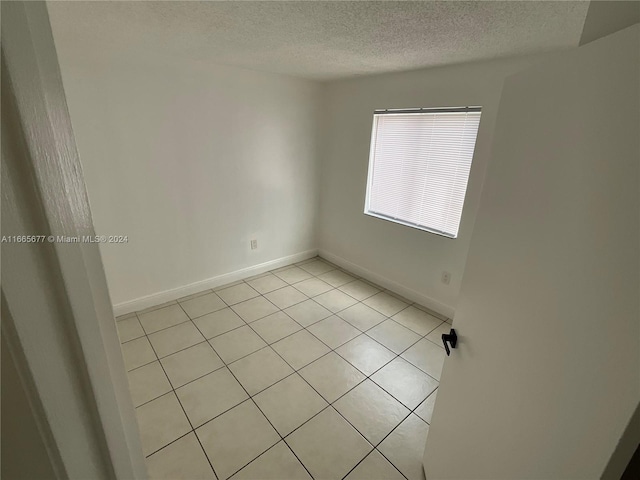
[440, 308]
[213, 282]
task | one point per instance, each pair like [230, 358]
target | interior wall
[411, 259]
[609, 16]
[190, 162]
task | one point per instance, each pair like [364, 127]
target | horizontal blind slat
[420, 167]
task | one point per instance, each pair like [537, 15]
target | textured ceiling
[319, 40]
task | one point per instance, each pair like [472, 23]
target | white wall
[191, 162]
[412, 260]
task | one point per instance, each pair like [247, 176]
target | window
[419, 166]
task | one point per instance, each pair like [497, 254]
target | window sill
[410, 225]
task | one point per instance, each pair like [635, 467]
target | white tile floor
[303, 372]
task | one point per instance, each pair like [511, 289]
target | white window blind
[419, 166]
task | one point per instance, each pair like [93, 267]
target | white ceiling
[320, 40]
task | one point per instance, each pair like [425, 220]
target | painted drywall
[606, 17]
[412, 260]
[545, 377]
[191, 162]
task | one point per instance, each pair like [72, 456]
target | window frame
[371, 162]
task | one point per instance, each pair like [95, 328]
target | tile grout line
[228, 305]
[182, 406]
[173, 390]
[263, 414]
[258, 407]
[331, 404]
[293, 333]
[268, 344]
[294, 371]
[298, 265]
[254, 402]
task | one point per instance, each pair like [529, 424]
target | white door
[547, 371]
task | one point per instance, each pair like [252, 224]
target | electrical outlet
[446, 278]
[254, 244]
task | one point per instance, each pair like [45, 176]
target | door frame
[59, 321]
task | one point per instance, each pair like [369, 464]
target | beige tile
[308, 313]
[170, 340]
[362, 317]
[292, 275]
[147, 383]
[427, 356]
[307, 260]
[237, 437]
[317, 267]
[137, 352]
[359, 289]
[183, 458]
[405, 382]
[236, 294]
[334, 331]
[328, 446]
[285, 297]
[289, 403]
[203, 304]
[191, 363]
[267, 283]
[335, 300]
[217, 323]
[365, 354]
[313, 287]
[162, 318]
[251, 310]
[336, 278]
[300, 349]
[277, 463]
[275, 327]
[436, 335]
[375, 466]
[416, 320]
[236, 344]
[260, 370]
[129, 329]
[393, 336]
[161, 421]
[425, 409]
[193, 295]
[332, 376]
[371, 410]
[386, 304]
[405, 447]
[209, 396]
